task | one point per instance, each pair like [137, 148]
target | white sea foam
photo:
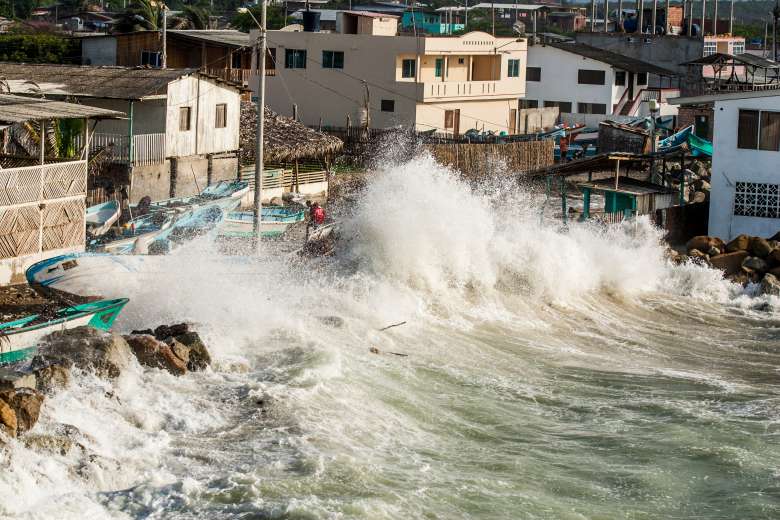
[494, 297]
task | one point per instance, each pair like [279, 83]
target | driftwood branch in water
[393, 325]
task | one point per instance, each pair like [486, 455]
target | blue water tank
[311, 21]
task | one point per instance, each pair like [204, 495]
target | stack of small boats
[163, 223]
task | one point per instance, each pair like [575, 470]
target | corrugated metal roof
[744, 59]
[222, 36]
[84, 81]
[618, 61]
[18, 109]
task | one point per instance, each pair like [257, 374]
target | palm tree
[140, 15]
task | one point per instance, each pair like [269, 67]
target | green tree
[140, 15]
[38, 48]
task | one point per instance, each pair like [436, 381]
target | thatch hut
[285, 140]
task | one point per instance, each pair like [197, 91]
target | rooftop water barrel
[311, 21]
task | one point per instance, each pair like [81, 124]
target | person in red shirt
[318, 214]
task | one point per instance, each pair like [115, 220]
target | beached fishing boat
[101, 217]
[225, 194]
[19, 338]
[275, 221]
[195, 223]
[146, 228]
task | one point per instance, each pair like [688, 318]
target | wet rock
[8, 418]
[52, 377]
[713, 251]
[755, 264]
[760, 247]
[143, 331]
[60, 441]
[774, 256]
[698, 197]
[199, 355]
[729, 263]
[179, 350]
[770, 285]
[26, 404]
[702, 185]
[775, 271]
[153, 353]
[698, 256]
[776, 236]
[740, 243]
[85, 348]
[739, 278]
[164, 332]
[700, 243]
[11, 379]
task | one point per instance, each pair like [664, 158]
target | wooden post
[42, 146]
[297, 181]
[209, 169]
[617, 172]
[562, 187]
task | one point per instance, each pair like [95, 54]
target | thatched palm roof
[285, 140]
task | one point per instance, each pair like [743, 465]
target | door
[631, 81]
[456, 127]
[452, 121]
[701, 127]
[512, 121]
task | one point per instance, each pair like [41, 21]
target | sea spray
[550, 373]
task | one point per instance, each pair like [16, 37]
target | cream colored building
[446, 84]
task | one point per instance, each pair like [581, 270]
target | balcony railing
[456, 89]
[240, 76]
[147, 148]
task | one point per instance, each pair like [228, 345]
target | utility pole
[731, 19]
[641, 19]
[775, 17]
[703, 17]
[164, 59]
[261, 52]
[667, 24]
[493, 15]
[592, 15]
[655, 16]
[715, 20]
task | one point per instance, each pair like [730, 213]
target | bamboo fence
[473, 160]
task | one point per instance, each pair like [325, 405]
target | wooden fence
[475, 159]
[283, 176]
[42, 208]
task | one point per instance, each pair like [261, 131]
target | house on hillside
[226, 54]
[589, 85]
[181, 131]
[745, 196]
[364, 76]
[42, 190]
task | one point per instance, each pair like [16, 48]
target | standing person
[564, 145]
[318, 214]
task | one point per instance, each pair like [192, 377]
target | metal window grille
[752, 199]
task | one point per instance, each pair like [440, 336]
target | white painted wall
[148, 116]
[201, 96]
[731, 164]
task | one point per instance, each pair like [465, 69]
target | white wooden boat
[101, 217]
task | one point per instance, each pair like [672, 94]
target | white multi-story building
[589, 85]
[745, 196]
[446, 84]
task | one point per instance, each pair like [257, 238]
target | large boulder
[760, 247]
[199, 357]
[704, 243]
[755, 264]
[61, 440]
[154, 353]
[164, 332]
[7, 418]
[26, 404]
[740, 243]
[770, 285]
[85, 348]
[11, 379]
[51, 377]
[729, 263]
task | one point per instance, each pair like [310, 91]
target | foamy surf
[549, 374]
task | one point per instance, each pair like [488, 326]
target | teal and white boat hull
[19, 339]
[101, 217]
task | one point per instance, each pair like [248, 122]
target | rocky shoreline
[24, 388]
[744, 260]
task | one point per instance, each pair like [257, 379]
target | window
[408, 68]
[563, 106]
[591, 108]
[461, 61]
[439, 67]
[388, 105]
[753, 199]
[529, 103]
[641, 78]
[620, 78]
[758, 130]
[710, 48]
[513, 69]
[590, 77]
[295, 58]
[235, 61]
[220, 118]
[151, 58]
[738, 48]
[184, 119]
[533, 74]
[332, 59]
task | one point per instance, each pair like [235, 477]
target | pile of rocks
[745, 259]
[174, 348]
[697, 178]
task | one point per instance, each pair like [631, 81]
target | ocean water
[545, 374]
